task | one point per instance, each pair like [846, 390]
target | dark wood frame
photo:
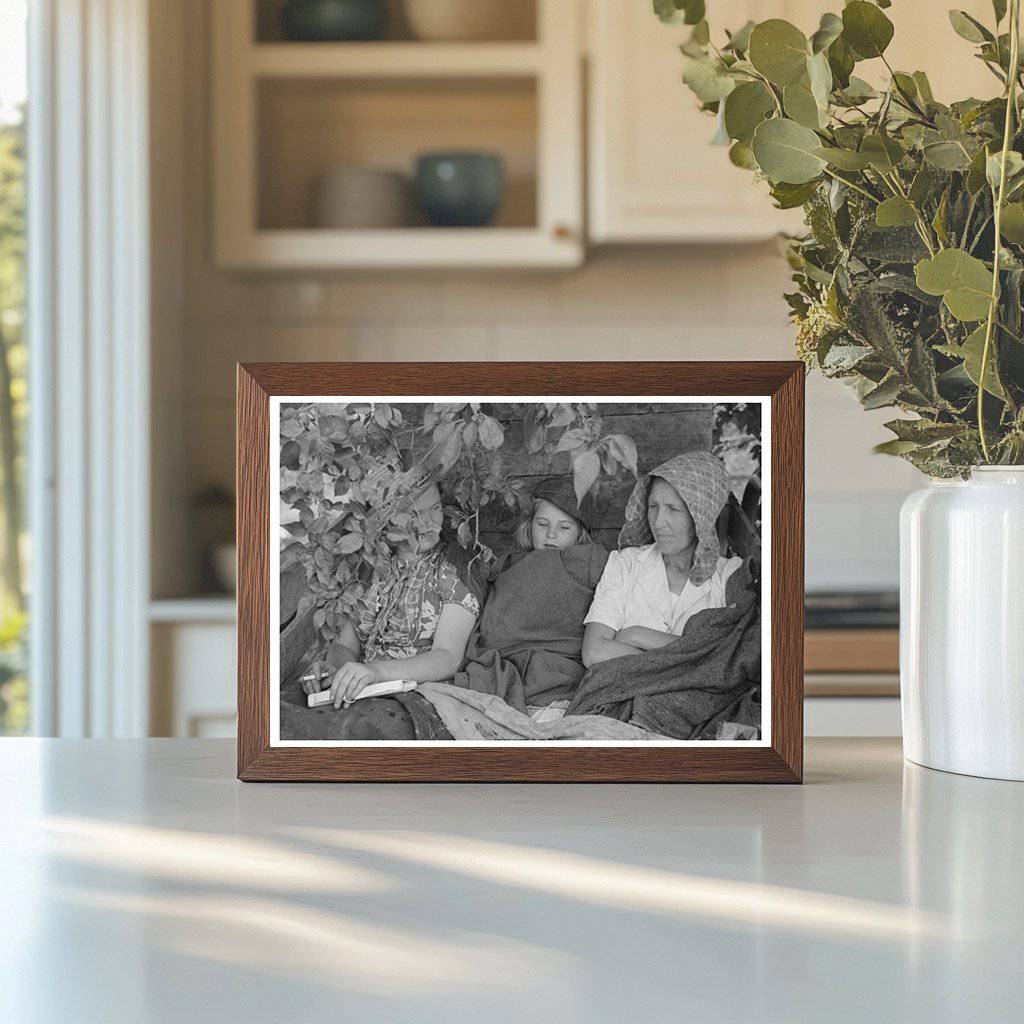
[780, 762]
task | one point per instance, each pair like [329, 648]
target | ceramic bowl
[332, 21]
[460, 189]
[470, 20]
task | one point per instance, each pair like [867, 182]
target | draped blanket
[469, 715]
[710, 675]
[526, 647]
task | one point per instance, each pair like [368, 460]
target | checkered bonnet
[700, 480]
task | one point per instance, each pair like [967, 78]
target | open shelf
[519, 24]
[307, 128]
[387, 60]
[286, 114]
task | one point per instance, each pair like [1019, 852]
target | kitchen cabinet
[287, 114]
[653, 174]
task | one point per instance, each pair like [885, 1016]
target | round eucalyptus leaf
[895, 212]
[883, 152]
[1011, 226]
[787, 151]
[866, 29]
[829, 30]
[745, 108]
[801, 106]
[779, 51]
[707, 79]
[741, 155]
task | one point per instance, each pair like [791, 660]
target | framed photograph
[578, 572]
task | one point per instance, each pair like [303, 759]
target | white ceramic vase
[962, 624]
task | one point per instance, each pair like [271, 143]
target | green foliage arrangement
[349, 473]
[910, 279]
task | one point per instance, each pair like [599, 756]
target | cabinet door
[654, 176]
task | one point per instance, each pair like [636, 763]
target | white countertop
[140, 882]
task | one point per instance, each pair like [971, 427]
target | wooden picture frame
[778, 759]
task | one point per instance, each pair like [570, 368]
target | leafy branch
[909, 278]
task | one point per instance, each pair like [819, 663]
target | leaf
[291, 429]
[858, 91]
[800, 106]
[819, 74]
[465, 534]
[788, 197]
[976, 175]
[829, 29]
[745, 108]
[924, 88]
[947, 156]
[624, 449]
[923, 431]
[690, 12]
[707, 78]
[739, 41]
[884, 394]
[963, 281]
[895, 212]
[922, 186]
[741, 155]
[993, 167]
[971, 352]
[350, 543]
[491, 433]
[572, 439]
[882, 151]
[844, 159]
[999, 9]
[969, 28]
[787, 151]
[1011, 226]
[586, 467]
[866, 29]
[896, 447]
[779, 51]
[840, 62]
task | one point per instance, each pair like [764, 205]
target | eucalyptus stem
[1011, 109]
[852, 184]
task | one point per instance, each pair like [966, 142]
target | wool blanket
[469, 715]
[526, 649]
[708, 677]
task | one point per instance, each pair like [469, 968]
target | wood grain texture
[781, 762]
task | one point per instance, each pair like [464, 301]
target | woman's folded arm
[599, 644]
[444, 658]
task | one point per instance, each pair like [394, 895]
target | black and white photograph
[519, 571]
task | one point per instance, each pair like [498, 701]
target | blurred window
[14, 546]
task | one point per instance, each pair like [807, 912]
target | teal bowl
[460, 189]
[334, 21]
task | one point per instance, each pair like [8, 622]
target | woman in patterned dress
[414, 622]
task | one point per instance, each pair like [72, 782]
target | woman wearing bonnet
[669, 565]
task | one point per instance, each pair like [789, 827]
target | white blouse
[633, 591]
